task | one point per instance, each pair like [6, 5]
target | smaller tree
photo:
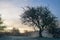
[15, 32]
[1, 24]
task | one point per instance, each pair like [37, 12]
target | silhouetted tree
[15, 32]
[40, 17]
[1, 24]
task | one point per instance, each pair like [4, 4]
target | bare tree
[40, 17]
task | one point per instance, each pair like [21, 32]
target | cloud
[9, 11]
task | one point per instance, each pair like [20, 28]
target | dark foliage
[40, 17]
[1, 24]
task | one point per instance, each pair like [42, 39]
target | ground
[25, 38]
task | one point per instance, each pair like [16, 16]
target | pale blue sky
[53, 5]
[11, 9]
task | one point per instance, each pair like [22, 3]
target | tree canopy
[40, 17]
[1, 24]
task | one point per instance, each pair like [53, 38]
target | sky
[11, 9]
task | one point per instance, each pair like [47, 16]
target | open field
[25, 38]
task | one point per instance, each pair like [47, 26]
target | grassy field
[25, 38]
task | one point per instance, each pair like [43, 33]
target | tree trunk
[40, 35]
